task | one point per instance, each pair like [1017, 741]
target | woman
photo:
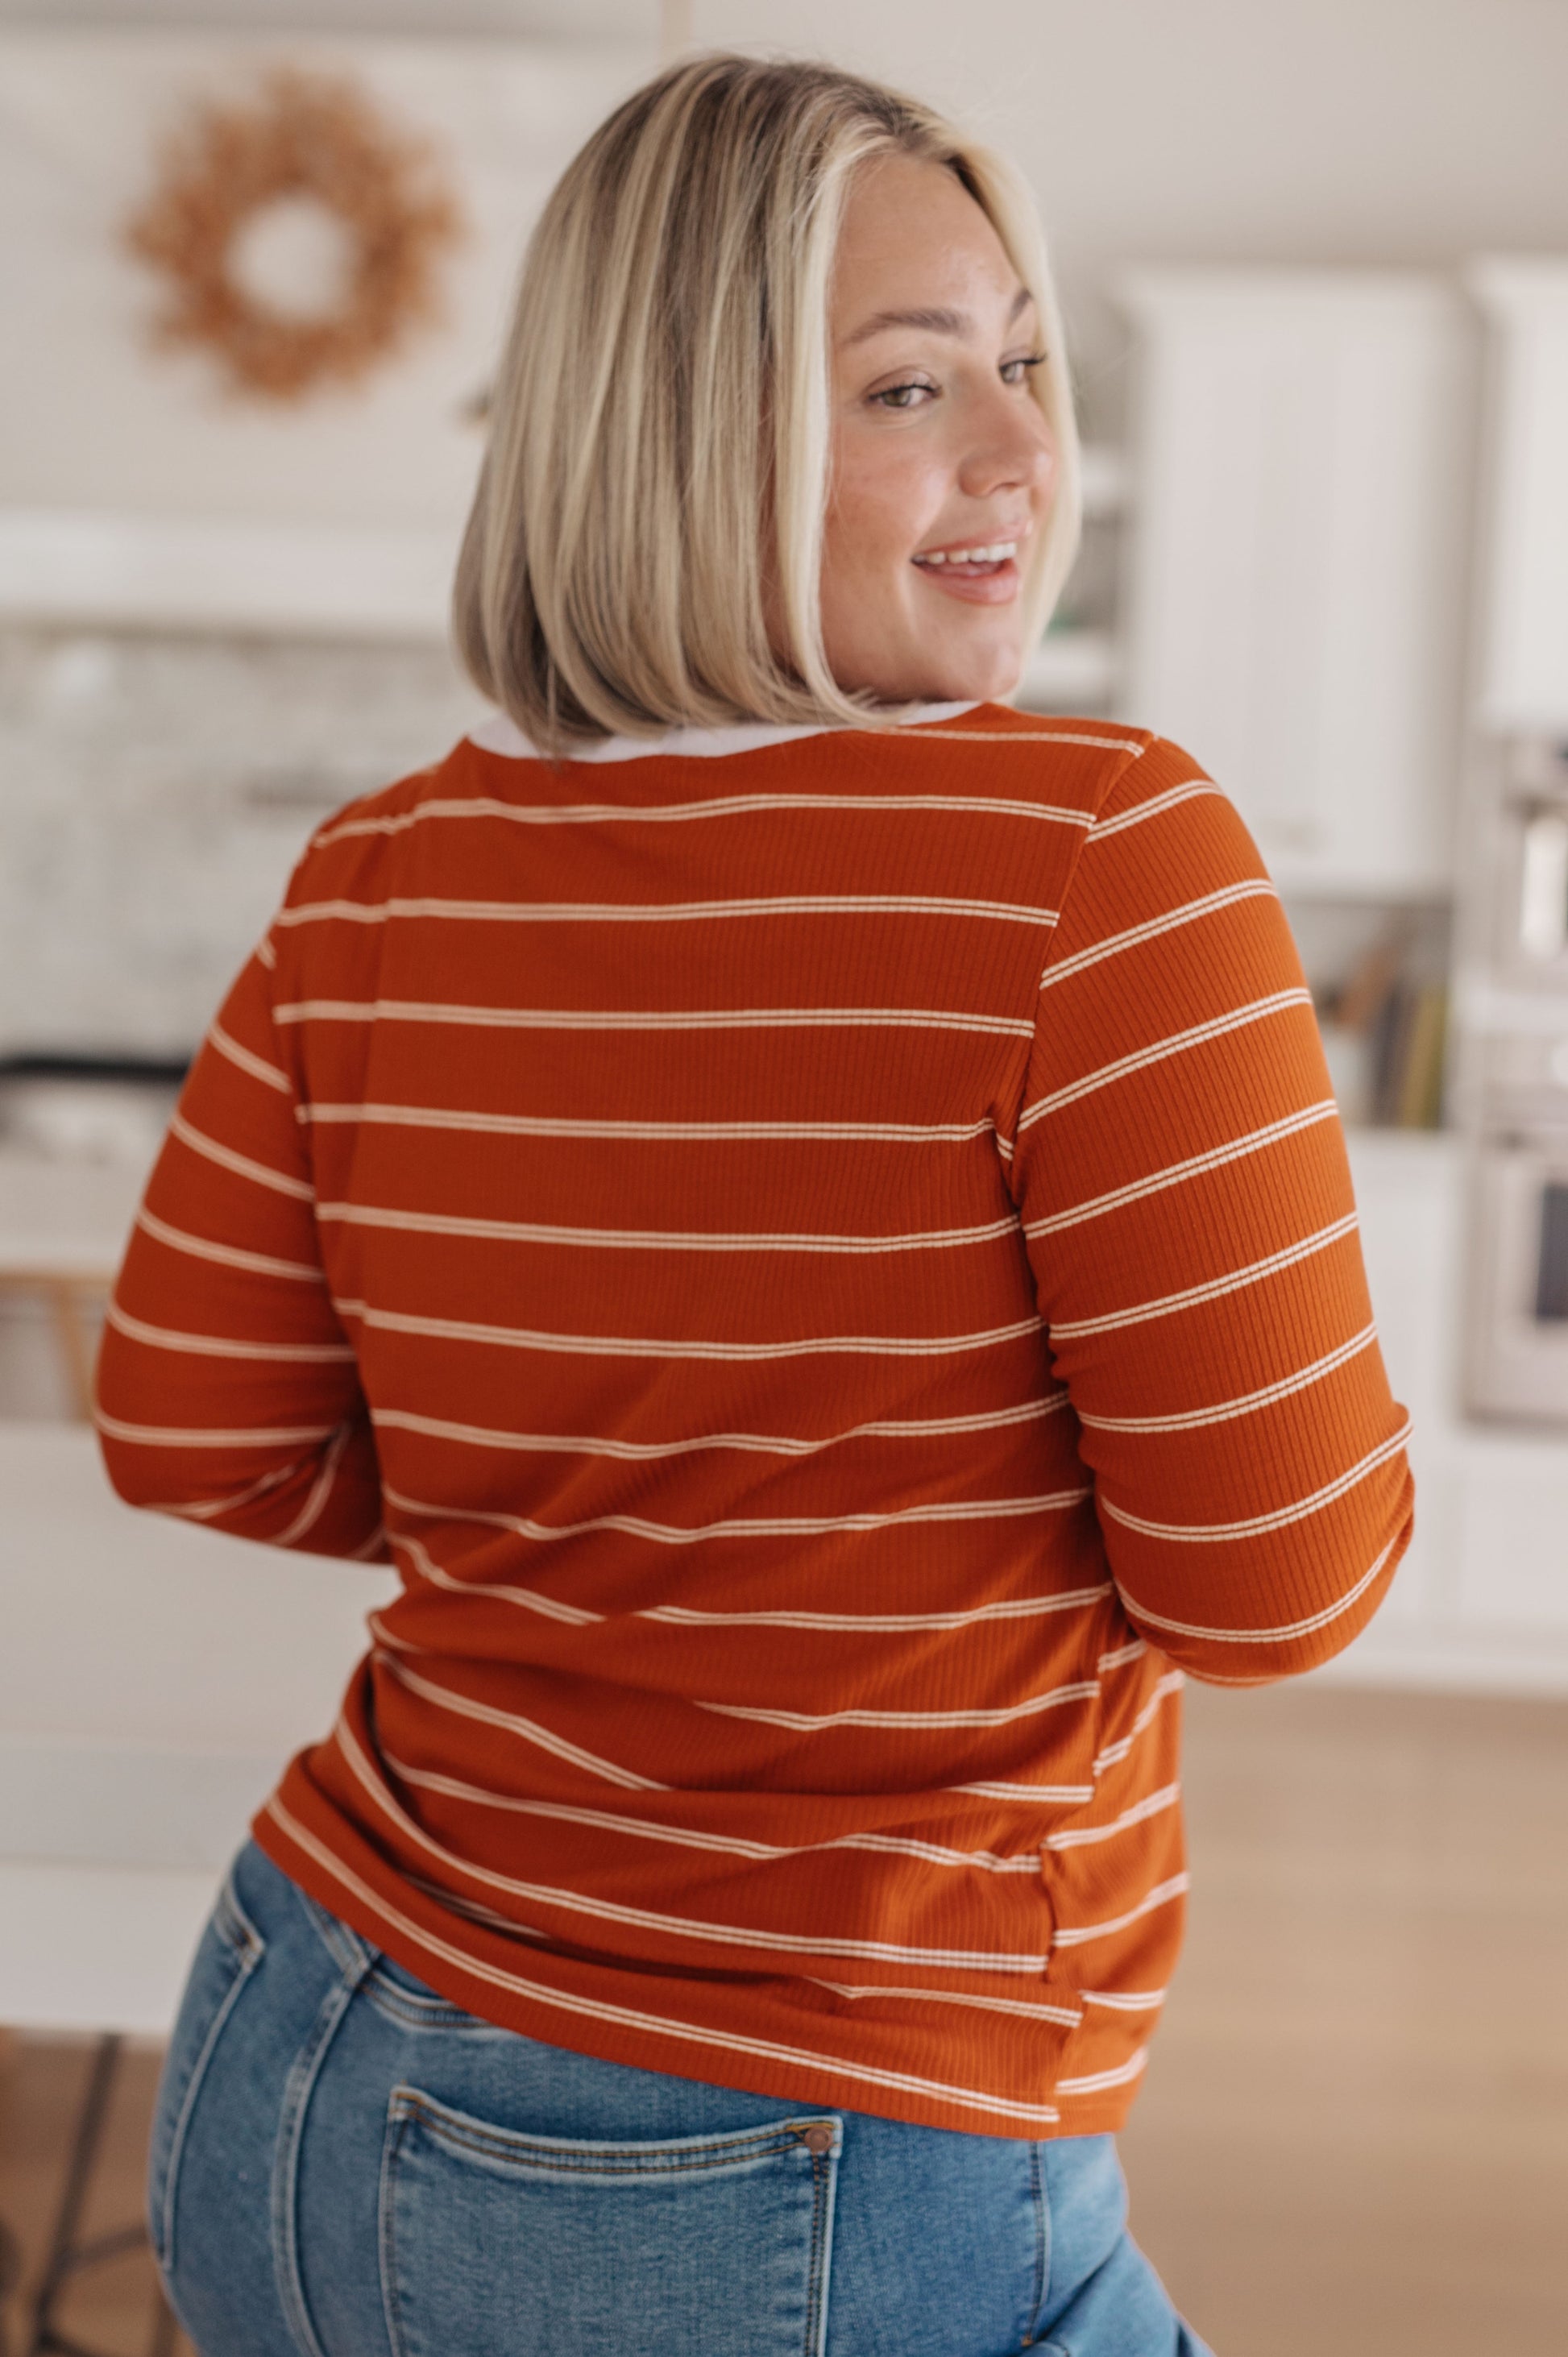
[802, 1208]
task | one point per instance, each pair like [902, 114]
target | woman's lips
[990, 583]
[981, 572]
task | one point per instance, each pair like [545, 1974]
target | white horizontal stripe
[320, 1490]
[1020, 1608]
[766, 1444]
[933, 1853]
[1126, 2000]
[161, 1435]
[549, 1607]
[1177, 1174]
[1068, 2015]
[222, 1346]
[200, 1509]
[688, 1837]
[1175, 1043]
[680, 1927]
[727, 2040]
[1171, 921]
[265, 953]
[1155, 807]
[949, 1509]
[472, 1909]
[1167, 1305]
[575, 1018]
[1112, 1754]
[1305, 1628]
[1096, 2082]
[211, 1509]
[1152, 1805]
[539, 1232]
[1279, 1519]
[226, 1255]
[1123, 1655]
[488, 806]
[653, 912]
[1078, 1935]
[806, 1723]
[257, 1066]
[619, 1346]
[1130, 745]
[771, 1943]
[1190, 1419]
[512, 1723]
[518, 1124]
[1048, 1795]
[243, 1165]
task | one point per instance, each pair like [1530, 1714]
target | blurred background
[1315, 261]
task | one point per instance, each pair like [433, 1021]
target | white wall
[1346, 131]
[1340, 131]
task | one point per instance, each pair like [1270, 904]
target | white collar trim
[502, 735]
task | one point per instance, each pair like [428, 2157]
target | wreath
[304, 137]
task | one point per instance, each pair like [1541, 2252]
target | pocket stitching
[824, 2183]
[397, 2117]
[1042, 2218]
[298, 2089]
[246, 1947]
[454, 2131]
[231, 1923]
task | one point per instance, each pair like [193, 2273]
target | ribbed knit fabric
[833, 1254]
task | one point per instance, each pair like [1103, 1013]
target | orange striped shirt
[827, 1260]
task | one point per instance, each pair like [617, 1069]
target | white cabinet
[1295, 561]
[1523, 684]
[154, 1679]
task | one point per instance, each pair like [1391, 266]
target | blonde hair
[655, 485]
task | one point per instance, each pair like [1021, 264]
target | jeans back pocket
[228, 1952]
[499, 2244]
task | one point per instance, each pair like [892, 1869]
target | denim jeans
[346, 2165]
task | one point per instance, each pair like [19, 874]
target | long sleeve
[1187, 1203]
[227, 1390]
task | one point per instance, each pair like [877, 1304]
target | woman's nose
[1016, 451]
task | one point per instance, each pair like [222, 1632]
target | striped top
[827, 1261]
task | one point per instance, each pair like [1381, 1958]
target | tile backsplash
[155, 791]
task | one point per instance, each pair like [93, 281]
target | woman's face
[942, 463]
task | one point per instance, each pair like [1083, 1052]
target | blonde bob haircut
[645, 543]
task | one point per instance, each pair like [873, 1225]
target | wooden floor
[113, 2307]
[1354, 2134]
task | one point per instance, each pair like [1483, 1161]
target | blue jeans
[345, 2164]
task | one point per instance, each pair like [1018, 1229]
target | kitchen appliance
[1517, 1355]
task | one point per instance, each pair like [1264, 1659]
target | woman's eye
[902, 396]
[1015, 372]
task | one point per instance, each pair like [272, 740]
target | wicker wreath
[303, 135]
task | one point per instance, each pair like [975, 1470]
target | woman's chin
[964, 676]
[983, 663]
[986, 676]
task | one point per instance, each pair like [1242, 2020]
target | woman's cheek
[888, 493]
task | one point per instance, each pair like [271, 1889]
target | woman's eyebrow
[936, 322]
